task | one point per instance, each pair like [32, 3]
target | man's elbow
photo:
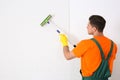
[68, 58]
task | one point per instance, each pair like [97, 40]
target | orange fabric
[90, 54]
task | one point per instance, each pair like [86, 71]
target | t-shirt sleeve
[81, 48]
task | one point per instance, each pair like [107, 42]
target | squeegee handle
[59, 33]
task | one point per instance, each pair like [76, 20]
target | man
[87, 50]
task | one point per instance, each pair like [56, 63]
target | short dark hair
[98, 22]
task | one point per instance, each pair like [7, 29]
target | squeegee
[47, 20]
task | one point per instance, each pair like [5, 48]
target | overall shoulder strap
[101, 51]
[110, 52]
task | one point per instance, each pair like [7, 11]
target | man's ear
[94, 28]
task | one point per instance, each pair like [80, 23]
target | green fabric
[103, 72]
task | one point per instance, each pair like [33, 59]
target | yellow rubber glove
[63, 39]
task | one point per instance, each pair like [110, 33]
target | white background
[27, 50]
[31, 52]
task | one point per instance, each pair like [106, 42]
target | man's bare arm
[67, 53]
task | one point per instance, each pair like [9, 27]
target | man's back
[90, 54]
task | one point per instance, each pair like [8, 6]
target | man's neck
[98, 34]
